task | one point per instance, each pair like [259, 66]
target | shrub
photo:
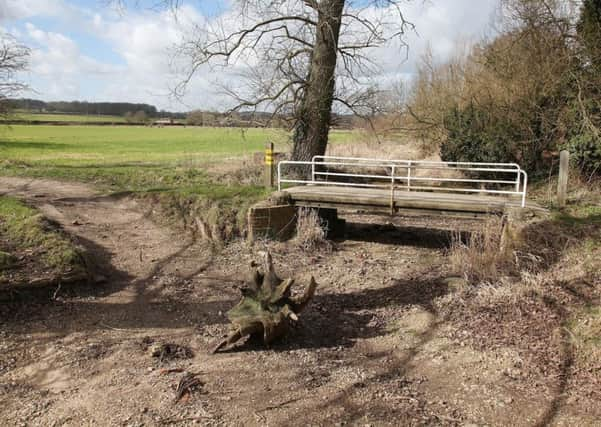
[195, 118]
[485, 134]
[475, 136]
[516, 97]
[585, 151]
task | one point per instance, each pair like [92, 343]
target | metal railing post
[409, 175]
[313, 170]
[524, 189]
[279, 176]
[392, 190]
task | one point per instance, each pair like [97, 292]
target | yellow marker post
[269, 165]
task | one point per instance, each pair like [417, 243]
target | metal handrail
[513, 165]
[410, 181]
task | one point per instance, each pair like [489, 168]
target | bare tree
[309, 57]
[13, 60]
[301, 59]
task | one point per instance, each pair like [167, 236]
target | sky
[88, 50]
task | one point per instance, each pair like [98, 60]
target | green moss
[27, 229]
[6, 260]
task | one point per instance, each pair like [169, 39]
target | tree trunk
[313, 120]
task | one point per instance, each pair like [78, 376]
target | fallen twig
[187, 385]
[446, 418]
[221, 278]
[56, 291]
[110, 327]
[165, 351]
[170, 371]
[279, 405]
[167, 421]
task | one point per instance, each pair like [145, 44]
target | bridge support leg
[512, 224]
[271, 222]
[335, 226]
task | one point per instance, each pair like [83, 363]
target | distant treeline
[148, 114]
[254, 119]
[91, 108]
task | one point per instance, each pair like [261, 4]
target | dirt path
[371, 349]
[58, 343]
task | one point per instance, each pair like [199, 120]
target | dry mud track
[369, 350]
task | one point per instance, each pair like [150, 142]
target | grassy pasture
[132, 157]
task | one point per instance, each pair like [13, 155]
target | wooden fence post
[269, 165]
[562, 182]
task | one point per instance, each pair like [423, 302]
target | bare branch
[14, 58]
[297, 56]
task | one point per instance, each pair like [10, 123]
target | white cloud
[443, 26]
[143, 41]
[24, 9]
[58, 68]
[55, 54]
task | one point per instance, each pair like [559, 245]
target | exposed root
[267, 307]
[187, 386]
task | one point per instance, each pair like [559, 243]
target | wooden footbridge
[404, 187]
[392, 187]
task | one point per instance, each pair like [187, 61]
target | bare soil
[384, 342]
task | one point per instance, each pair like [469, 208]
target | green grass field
[132, 157]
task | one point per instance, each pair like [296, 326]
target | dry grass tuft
[581, 190]
[585, 333]
[481, 258]
[311, 231]
[235, 171]
[493, 252]
[403, 149]
[367, 148]
[511, 290]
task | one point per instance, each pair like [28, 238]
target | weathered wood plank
[379, 199]
[385, 210]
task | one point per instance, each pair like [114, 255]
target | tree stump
[267, 308]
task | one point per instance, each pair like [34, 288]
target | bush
[585, 151]
[195, 118]
[487, 132]
[474, 134]
[518, 97]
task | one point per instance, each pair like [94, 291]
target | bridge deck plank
[357, 197]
